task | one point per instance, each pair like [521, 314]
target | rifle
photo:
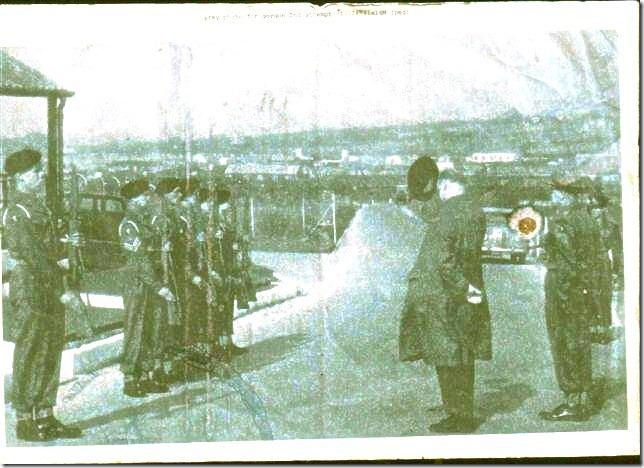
[245, 290]
[211, 289]
[168, 267]
[73, 303]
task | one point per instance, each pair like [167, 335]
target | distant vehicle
[503, 244]
[100, 216]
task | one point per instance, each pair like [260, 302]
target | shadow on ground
[259, 355]
[505, 398]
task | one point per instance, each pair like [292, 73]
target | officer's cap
[168, 184]
[135, 188]
[222, 195]
[21, 161]
[420, 173]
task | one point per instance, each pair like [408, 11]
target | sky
[301, 75]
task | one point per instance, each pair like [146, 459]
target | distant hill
[552, 136]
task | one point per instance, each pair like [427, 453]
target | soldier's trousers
[223, 317]
[140, 334]
[39, 332]
[603, 294]
[568, 319]
[457, 389]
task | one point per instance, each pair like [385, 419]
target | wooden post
[335, 230]
[52, 180]
[252, 217]
[303, 216]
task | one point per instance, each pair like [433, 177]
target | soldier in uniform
[571, 247]
[37, 301]
[602, 292]
[145, 294]
[446, 321]
[220, 258]
[190, 287]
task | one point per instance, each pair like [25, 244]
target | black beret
[222, 195]
[21, 161]
[420, 173]
[135, 188]
[168, 184]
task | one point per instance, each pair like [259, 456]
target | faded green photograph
[319, 234]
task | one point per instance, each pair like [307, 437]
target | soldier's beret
[420, 173]
[222, 195]
[168, 184]
[21, 161]
[135, 188]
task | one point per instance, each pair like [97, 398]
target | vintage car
[502, 243]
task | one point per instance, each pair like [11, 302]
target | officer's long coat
[38, 316]
[438, 325]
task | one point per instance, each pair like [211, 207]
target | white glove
[166, 294]
[167, 246]
[66, 298]
[215, 276]
[474, 295]
[63, 263]
[201, 237]
[196, 280]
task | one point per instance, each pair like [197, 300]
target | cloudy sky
[301, 75]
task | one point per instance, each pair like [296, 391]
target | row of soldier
[186, 269]
[187, 265]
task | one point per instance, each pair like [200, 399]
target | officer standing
[446, 320]
[37, 302]
[571, 247]
[145, 295]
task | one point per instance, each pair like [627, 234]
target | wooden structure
[20, 80]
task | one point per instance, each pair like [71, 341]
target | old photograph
[300, 232]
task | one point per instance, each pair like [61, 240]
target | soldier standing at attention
[222, 260]
[572, 246]
[144, 293]
[37, 302]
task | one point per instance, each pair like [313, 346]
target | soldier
[571, 247]
[190, 286]
[220, 258]
[446, 302]
[170, 242]
[145, 295]
[602, 292]
[37, 302]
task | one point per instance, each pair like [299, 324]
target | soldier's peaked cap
[420, 173]
[168, 184]
[135, 188]
[21, 161]
[222, 195]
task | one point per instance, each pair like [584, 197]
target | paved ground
[325, 365]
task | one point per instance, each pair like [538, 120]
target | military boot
[32, 431]
[60, 430]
